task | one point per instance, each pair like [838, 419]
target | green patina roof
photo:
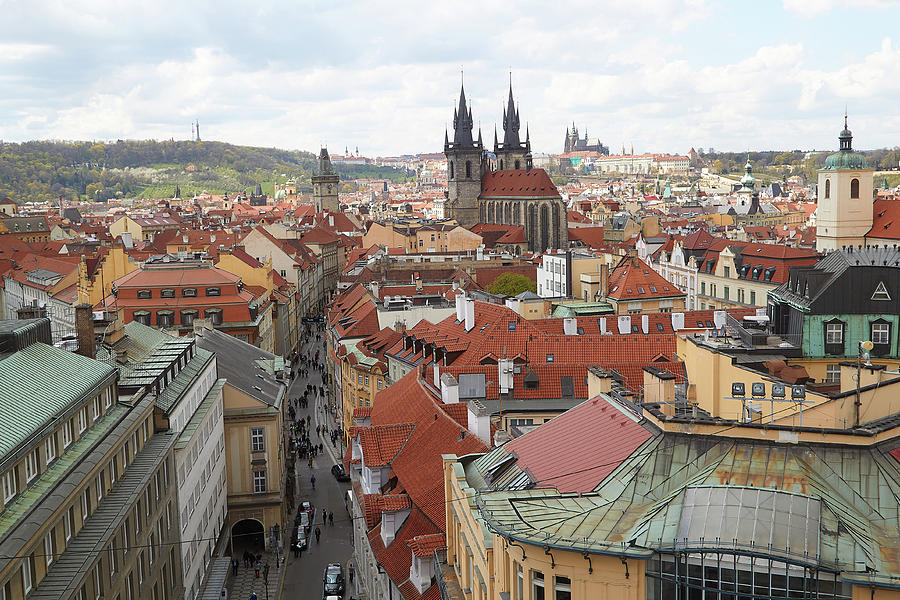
[21, 505]
[841, 503]
[38, 383]
[583, 309]
[846, 160]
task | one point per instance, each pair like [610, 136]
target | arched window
[451, 169]
[827, 188]
[854, 188]
[468, 169]
[517, 165]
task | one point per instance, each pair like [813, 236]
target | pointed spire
[527, 139]
[446, 138]
[511, 122]
[462, 121]
[480, 144]
[496, 144]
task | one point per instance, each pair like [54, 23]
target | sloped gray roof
[245, 366]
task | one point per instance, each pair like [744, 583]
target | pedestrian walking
[234, 567]
[296, 549]
[312, 480]
[253, 596]
[324, 516]
[350, 572]
[330, 518]
[256, 567]
[318, 533]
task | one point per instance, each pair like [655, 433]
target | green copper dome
[747, 180]
[846, 158]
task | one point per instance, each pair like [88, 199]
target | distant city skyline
[383, 76]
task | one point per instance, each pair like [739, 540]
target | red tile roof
[534, 183]
[575, 451]
[633, 279]
[381, 443]
[885, 219]
[425, 545]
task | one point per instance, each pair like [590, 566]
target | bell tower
[845, 197]
[325, 185]
[511, 153]
[464, 165]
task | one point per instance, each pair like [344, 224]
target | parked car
[301, 541]
[334, 579]
[339, 473]
[305, 521]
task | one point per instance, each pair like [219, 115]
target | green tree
[512, 284]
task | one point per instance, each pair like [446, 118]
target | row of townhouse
[114, 479]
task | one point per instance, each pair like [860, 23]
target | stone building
[325, 185]
[502, 188]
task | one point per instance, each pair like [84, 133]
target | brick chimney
[84, 328]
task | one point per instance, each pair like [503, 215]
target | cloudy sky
[384, 75]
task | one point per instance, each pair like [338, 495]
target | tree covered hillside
[42, 170]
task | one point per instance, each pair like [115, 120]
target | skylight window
[550, 358]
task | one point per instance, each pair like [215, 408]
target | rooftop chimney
[460, 307]
[449, 389]
[570, 326]
[645, 323]
[84, 328]
[470, 314]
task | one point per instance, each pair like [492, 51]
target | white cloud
[384, 76]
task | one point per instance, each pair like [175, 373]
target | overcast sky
[384, 76]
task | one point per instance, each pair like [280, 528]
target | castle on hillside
[574, 143]
[502, 187]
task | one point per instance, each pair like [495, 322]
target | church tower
[845, 198]
[464, 165]
[325, 185]
[511, 153]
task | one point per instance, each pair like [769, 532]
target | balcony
[445, 577]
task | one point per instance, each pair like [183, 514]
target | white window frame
[27, 582]
[82, 420]
[48, 547]
[50, 447]
[84, 504]
[833, 373]
[67, 524]
[68, 433]
[881, 335]
[257, 439]
[107, 401]
[9, 486]
[32, 466]
[97, 409]
[538, 582]
[259, 476]
[834, 332]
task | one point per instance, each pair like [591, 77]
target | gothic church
[501, 188]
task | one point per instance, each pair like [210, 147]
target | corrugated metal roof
[38, 383]
[214, 393]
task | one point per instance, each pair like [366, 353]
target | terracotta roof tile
[534, 183]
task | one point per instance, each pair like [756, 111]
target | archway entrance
[247, 535]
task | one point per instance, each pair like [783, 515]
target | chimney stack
[84, 328]
[570, 326]
[470, 314]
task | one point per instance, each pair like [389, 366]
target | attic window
[567, 386]
[699, 323]
[653, 289]
[512, 326]
[659, 327]
[144, 294]
[167, 293]
[709, 323]
[189, 292]
[641, 290]
[550, 358]
[770, 272]
[634, 329]
[881, 292]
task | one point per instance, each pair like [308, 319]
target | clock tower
[325, 185]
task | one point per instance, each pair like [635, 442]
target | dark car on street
[334, 579]
[339, 473]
